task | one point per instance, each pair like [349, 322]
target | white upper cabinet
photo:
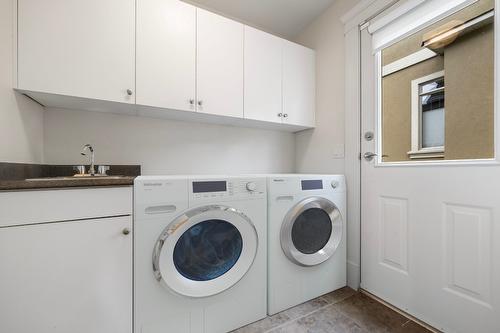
[219, 65]
[162, 56]
[166, 54]
[299, 85]
[77, 48]
[263, 76]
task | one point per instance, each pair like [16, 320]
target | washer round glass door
[205, 251]
[311, 231]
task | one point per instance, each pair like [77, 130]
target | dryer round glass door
[311, 231]
[205, 251]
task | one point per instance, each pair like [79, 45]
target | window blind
[409, 16]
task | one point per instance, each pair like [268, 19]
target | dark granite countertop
[19, 176]
[8, 185]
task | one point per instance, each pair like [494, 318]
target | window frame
[417, 151]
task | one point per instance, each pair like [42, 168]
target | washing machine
[199, 253]
[306, 238]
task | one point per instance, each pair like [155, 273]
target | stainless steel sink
[73, 178]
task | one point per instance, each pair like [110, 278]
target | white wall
[21, 120]
[322, 149]
[164, 146]
[171, 147]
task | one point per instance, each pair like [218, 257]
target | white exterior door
[430, 233]
[74, 48]
[219, 65]
[166, 54]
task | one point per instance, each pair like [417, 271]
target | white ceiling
[286, 18]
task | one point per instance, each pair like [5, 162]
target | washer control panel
[311, 184]
[280, 185]
[231, 188]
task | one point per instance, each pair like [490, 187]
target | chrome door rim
[182, 285]
[333, 242]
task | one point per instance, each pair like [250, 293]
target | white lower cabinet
[70, 276]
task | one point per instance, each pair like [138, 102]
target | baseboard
[353, 275]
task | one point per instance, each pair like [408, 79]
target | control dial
[335, 184]
[251, 186]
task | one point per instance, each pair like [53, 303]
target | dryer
[199, 253]
[306, 238]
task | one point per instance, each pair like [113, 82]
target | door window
[311, 230]
[451, 60]
[207, 250]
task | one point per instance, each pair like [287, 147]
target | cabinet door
[166, 54]
[67, 277]
[299, 85]
[263, 76]
[219, 65]
[77, 48]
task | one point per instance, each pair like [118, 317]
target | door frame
[354, 20]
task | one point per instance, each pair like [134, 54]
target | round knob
[200, 103]
[191, 101]
[251, 186]
[335, 184]
[280, 114]
[126, 231]
[285, 115]
[129, 92]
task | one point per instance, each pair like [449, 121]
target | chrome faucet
[89, 148]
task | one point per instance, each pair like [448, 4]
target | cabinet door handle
[126, 231]
[191, 101]
[280, 114]
[129, 92]
[285, 115]
[200, 103]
